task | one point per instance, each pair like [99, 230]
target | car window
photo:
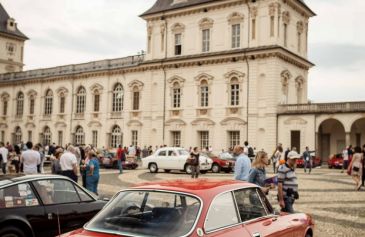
[20, 195]
[222, 213]
[162, 153]
[148, 213]
[56, 191]
[183, 152]
[249, 204]
[84, 196]
[172, 153]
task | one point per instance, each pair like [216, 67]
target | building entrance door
[325, 147]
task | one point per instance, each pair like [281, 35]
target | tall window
[5, 107]
[48, 102]
[95, 139]
[60, 138]
[235, 92]
[206, 40]
[299, 41]
[2, 136]
[272, 26]
[285, 35]
[176, 139]
[79, 136]
[204, 139]
[62, 102]
[31, 104]
[176, 91]
[253, 29]
[20, 104]
[47, 136]
[30, 136]
[80, 101]
[236, 35]
[18, 135]
[118, 94]
[234, 138]
[135, 98]
[116, 137]
[134, 138]
[96, 101]
[204, 94]
[178, 44]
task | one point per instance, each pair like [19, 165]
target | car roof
[11, 179]
[197, 187]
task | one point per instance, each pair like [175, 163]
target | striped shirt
[288, 178]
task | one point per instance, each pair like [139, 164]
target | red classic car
[222, 162]
[316, 161]
[336, 161]
[201, 207]
[109, 160]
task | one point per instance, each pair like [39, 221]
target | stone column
[348, 138]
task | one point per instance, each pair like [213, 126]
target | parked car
[222, 162]
[194, 208]
[174, 158]
[40, 205]
[336, 161]
[110, 160]
[316, 161]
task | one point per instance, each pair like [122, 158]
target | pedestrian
[350, 152]
[30, 159]
[287, 183]
[145, 152]
[56, 167]
[40, 167]
[307, 160]
[120, 156]
[92, 172]
[83, 156]
[248, 150]
[257, 173]
[194, 164]
[15, 160]
[4, 157]
[68, 163]
[356, 167]
[276, 158]
[243, 164]
[286, 154]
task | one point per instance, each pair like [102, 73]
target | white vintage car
[174, 158]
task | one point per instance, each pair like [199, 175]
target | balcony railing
[345, 107]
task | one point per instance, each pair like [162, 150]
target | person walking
[16, 158]
[345, 155]
[56, 167]
[92, 172]
[120, 156]
[68, 163]
[30, 159]
[40, 167]
[287, 183]
[276, 158]
[194, 155]
[257, 173]
[4, 157]
[243, 164]
[307, 160]
[356, 167]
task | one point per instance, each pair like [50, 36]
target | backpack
[250, 152]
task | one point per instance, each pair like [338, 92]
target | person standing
[120, 154]
[257, 173]
[4, 157]
[145, 152]
[68, 163]
[56, 167]
[243, 164]
[30, 159]
[194, 155]
[276, 158]
[345, 156]
[356, 167]
[307, 160]
[92, 172]
[287, 183]
[16, 158]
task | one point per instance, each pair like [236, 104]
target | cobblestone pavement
[328, 195]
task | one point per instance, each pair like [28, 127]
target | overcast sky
[75, 31]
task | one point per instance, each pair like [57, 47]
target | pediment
[134, 122]
[201, 121]
[94, 124]
[231, 120]
[175, 121]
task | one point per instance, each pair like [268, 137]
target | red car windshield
[147, 213]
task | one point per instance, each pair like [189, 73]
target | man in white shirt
[345, 156]
[68, 163]
[30, 159]
[4, 153]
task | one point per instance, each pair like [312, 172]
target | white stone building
[215, 72]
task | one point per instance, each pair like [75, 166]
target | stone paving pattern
[328, 195]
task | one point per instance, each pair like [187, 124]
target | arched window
[18, 135]
[48, 102]
[116, 137]
[79, 136]
[204, 93]
[96, 101]
[80, 101]
[47, 136]
[235, 92]
[285, 77]
[31, 104]
[19, 104]
[5, 99]
[135, 98]
[176, 93]
[118, 94]
[62, 102]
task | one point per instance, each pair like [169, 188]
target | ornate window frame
[17, 135]
[285, 80]
[178, 29]
[299, 85]
[206, 25]
[19, 104]
[204, 82]
[117, 98]
[136, 88]
[32, 95]
[62, 95]
[79, 135]
[176, 84]
[48, 102]
[116, 136]
[234, 78]
[47, 136]
[81, 100]
[96, 91]
[5, 97]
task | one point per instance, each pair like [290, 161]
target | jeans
[92, 183]
[274, 167]
[120, 166]
[289, 201]
[195, 171]
[306, 164]
[3, 167]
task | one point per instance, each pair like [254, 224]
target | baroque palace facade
[215, 72]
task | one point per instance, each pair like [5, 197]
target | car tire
[216, 168]
[153, 168]
[187, 169]
[11, 231]
[203, 171]
[167, 171]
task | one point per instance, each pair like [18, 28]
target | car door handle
[257, 234]
[50, 216]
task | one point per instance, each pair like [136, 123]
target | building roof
[166, 5]
[4, 16]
